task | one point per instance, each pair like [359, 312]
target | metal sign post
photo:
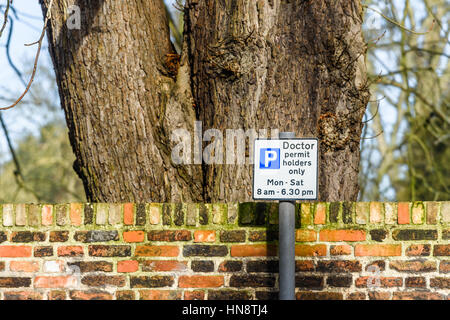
[286, 169]
[286, 222]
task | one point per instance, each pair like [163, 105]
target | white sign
[285, 169]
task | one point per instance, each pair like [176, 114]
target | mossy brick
[390, 213]
[261, 213]
[8, 215]
[27, 236]
[418, 213]
[155, 210]
[219, 212]
[432, 209]
[109, 251]
[445, 212]
[101, 213]
[414, 234]
[378, 235]
[347, 212]
[362, 212]
[334, 212]
[3, 236]
[232, 213]
[151, 281]
[21, 215]
[96, 236]
[203, 214]
[115, 214]
[191, 214]
[375, 211]
[205, 251]
[141, 214]
[91, 266]
[246, 213]
[306, 215]
[446, 234]
[232, 236]
[178, 214]
[88, 214]
[229, 295]
[61, 211]
[34, 215]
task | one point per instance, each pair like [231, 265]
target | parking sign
[285, 169]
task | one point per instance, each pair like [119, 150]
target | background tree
[408, 160]
[124, 92]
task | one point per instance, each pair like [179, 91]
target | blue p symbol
[269, 158]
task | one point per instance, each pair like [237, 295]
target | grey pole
[286, 222]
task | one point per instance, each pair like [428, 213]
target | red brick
[160, 295]
[205, 236]
[415, 295]
[134, 236]
[157, 251]
[127, 266]
[342, 235]
[55, 282]
[321, 214]
[340, 250]
[403, 213]
[304, 265]
[2, 265]
[90, 295]
[24, 266]
[438, 250]
[385, 282]
[444, 267]
[304, 250]
[194, 295]
[164, 265]
[22, 295]
[200, 281]
[75, 214]
[47, 215]
[102, 281]
[70, 251]
[257, 250]
[377, 295]
[169, 235]
[413, 265]
[57, 295]
[378, 250]
[125, 295]
[415, 282]
[418, 250]
[128, 213]
[356, 296]
[15, 251]
[305, 235]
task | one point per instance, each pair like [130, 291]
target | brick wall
[195, 251]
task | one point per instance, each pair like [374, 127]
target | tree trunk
[267, 64]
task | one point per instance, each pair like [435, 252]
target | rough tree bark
[291, 65]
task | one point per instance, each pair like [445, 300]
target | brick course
[155, 251]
